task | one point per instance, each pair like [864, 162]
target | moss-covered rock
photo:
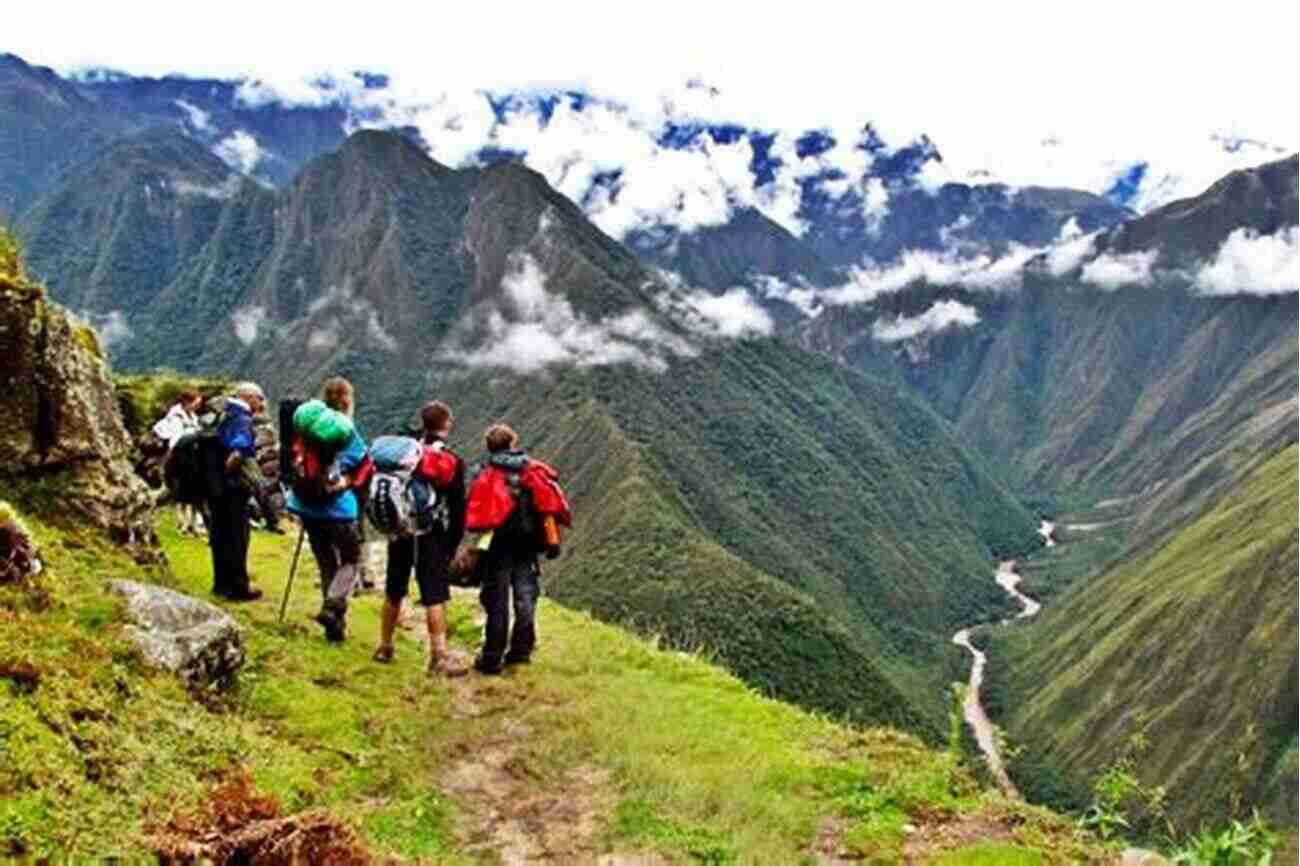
[61, 435]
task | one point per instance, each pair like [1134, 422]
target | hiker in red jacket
[429, 554]
[518, 503]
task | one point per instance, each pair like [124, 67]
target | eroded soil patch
[238, 825]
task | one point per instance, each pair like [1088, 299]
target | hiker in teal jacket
[333, 528]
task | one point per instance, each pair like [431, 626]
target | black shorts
[430, 555]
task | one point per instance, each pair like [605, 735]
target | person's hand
[233, 461]
[338, 485]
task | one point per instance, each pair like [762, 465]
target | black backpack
[194, 470]
[522, 530]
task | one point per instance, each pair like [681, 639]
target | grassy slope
[1191, 638]
[695, 764]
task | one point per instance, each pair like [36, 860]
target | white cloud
[223, 190]
[322, 339]
[733, 314]
[1071, 248]
[1253, 264]
[781, 72]
[941, 316]
[198, 118]
[805, 298]
[239, 150]
[337, 311]
[980, 272]
[111, 327]
[875, 203]
[534, 329]
[376, 334]
[1111, 271]
[247, 322]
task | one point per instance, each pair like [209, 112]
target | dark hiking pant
[337, 548]
[228, 538]
[506, 581]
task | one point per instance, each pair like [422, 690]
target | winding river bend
[972, 709]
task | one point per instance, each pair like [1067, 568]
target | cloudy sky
[1090, 95]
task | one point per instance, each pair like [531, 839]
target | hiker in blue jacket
[333, 527]
[229, 492]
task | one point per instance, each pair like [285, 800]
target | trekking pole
[293, 569]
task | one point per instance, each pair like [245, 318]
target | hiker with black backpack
[231, 474]
[330, 460]
[426, 549]
[516, 502]
[181, 419]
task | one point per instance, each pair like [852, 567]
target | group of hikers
[413, 488]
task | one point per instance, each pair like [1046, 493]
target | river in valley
[972, 709]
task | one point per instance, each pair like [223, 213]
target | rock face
[60, 430]
[176, 632]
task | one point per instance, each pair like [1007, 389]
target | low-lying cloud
[337, 311]
[247, 322]
[221, 191]
[199, 119]
[1252, 264]
[1112, 271]
[733, 314]
[532, 329]
[240, 151]
[941, 316]
[111, 328]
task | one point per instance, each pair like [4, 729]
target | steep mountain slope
[1193, 642]
[1261, 199]
[127, 221]
[787, 497]
[46, 126]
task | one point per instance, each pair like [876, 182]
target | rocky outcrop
[61, 436]
[176, 632]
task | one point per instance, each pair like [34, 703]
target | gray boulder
[176, 632]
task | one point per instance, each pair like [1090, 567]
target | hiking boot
[487, 668]
[449, 664]
[518, 659]
[250, 593]
[383, 654]
[335, 631]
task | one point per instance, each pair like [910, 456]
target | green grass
[990, 855]
[693, 763]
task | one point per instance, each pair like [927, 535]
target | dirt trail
[511, 810]
[972, 709]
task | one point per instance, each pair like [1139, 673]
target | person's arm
[236, 432]
[349, 460]
[456, 506]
